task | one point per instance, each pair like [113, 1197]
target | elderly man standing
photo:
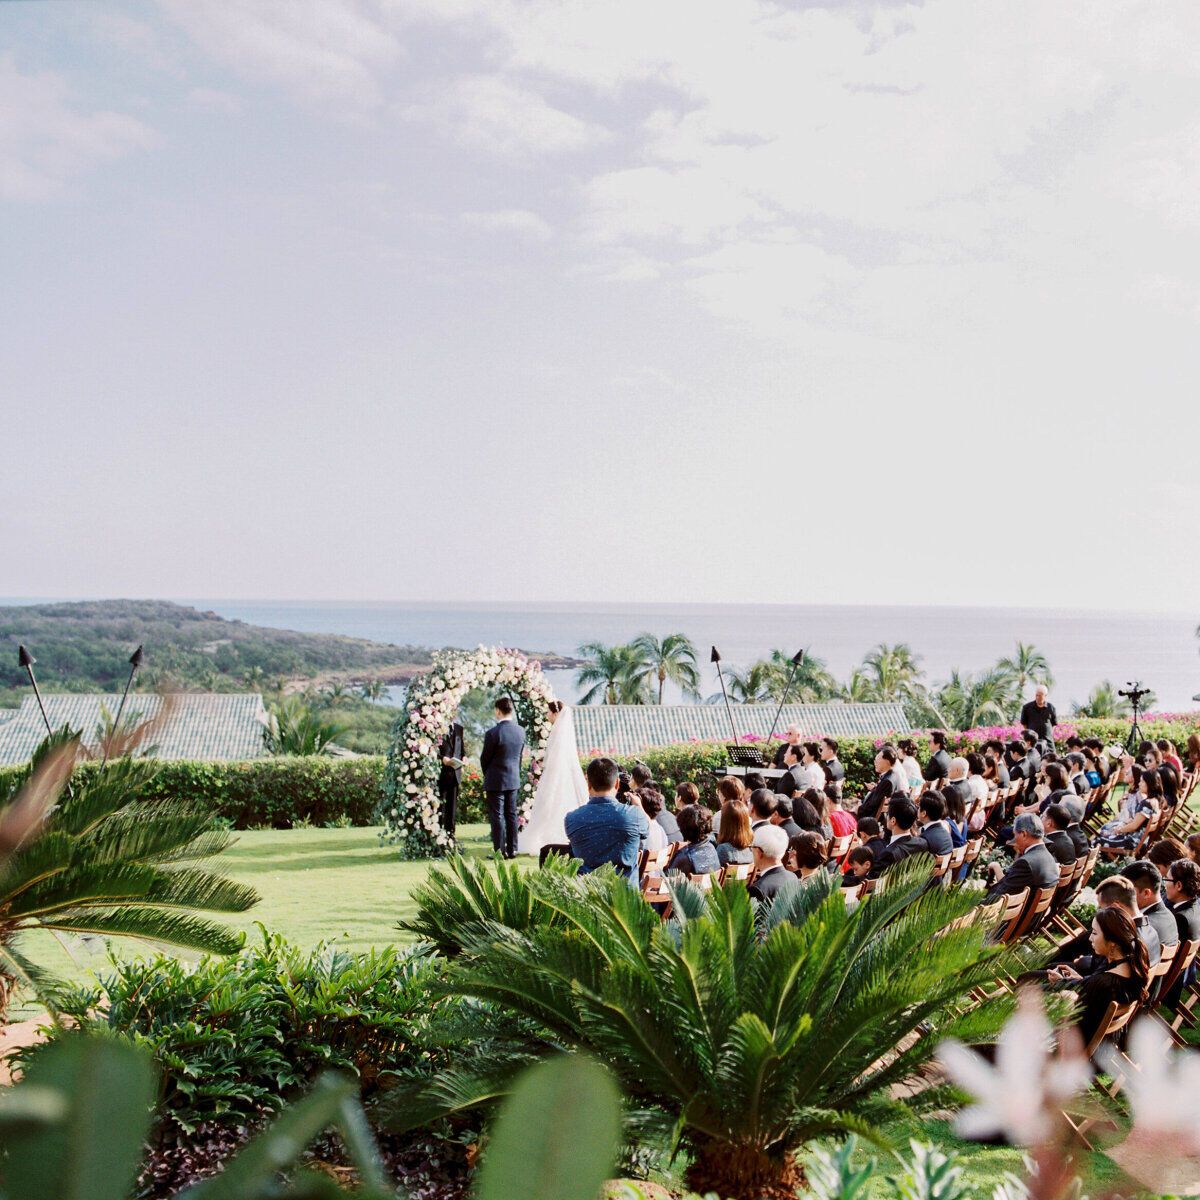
[794, 737]
[1038, 715]
[1034, 866]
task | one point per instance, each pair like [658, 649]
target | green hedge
[282, 792]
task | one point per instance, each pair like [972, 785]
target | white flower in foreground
[1162, 1090]
[1021, 1095]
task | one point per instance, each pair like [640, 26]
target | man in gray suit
[501, 763]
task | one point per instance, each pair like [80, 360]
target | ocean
[1083, 647]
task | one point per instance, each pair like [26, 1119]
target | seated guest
[698, 856]
[1034, 867]
[1100, 758]
[806, 854]
[834, 771]
[1114, 892]
[810, 760]
[1163, 854]
[997, 776]
[1183, 895]
[859, 862]
[795, 775]
[938, 766]
[1056, 821]
[909, 763]
[975, 777]
[811, 813]
[871, 835]
[874, 802]
[1147, 883]
[666, 818]
[1169, 754]
[733, 842]
[640, 775]
[604, 830]
[651, 800]
[782, 816]
[1126, 829]
[730, 790]
[754, 781]
[1124, 976]
[1091, 767]
[1077, 771]
[762, 805]
[1192, 842]
[771, 878]
[902, 843]
[957, 784]
[931, 813]
[840, 821]
[1033, 756]
[956, 818]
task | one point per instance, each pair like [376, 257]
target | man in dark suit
[938, 766]
[796, 778]
[1034, 867]
[901, 817]
[501, 763]
[995, 747]
[771, 878]
[931, 812]
[793, 737]
[1056, 821]
[1076, 765]
[874, 802]
[781, 818]
[452, 749]
[1147, 880]
[762, 807]
[1033, 756]
[1183, 895]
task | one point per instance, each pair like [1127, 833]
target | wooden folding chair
[703, 882]
[1034, 913]
[743, 871]
[971, 853]
[657, 893]
[1183, 1013]
[941, 864]
[839, 847]
[1114, 1022]
[1010, 915]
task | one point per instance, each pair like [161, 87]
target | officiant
[451, 751]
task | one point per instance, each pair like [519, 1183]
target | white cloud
[47, 138]
[500, 117]
[510, 220]
[326, 53]
[213, 100]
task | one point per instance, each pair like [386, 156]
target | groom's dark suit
[501, 763]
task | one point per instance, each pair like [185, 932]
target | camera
[1133, 691]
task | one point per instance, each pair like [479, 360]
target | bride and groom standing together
[561, 788]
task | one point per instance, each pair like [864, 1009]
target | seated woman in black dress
[699, 856]
[1123, 976]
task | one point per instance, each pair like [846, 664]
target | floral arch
[411, 805]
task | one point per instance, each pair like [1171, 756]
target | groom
[501, 763]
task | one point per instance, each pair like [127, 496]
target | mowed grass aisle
[317, 885]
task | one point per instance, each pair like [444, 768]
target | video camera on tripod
[1133, 692]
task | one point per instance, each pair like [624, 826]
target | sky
[650, 301]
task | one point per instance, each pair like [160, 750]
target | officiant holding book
[451, 751]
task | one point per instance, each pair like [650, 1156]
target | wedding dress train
[561, 788]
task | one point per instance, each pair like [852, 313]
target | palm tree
[812, 684]
[755, 685]
[297, 728]
[612, 672]
[858, 689]
[967, 701]
[1027, 665]
[1103, 702]
[741, 1033]
[336, 694]
[373, 690]
[254, 678]
[893, 672]
[100, 856]
[673, 658]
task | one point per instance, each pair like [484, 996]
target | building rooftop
[208, 726]
[629, 728]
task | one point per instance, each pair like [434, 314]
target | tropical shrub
[738, 1032]
[237, 1037]
[102, 856]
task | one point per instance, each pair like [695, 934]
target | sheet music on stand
[745, 756]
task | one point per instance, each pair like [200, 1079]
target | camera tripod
[1135, 694]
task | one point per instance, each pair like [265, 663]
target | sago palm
[296, 727]
[101, 858]
[738, 1033]
[671, 658]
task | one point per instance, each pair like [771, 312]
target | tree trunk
[745, 1173]
[662, 678]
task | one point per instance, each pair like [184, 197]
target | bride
[561, 788]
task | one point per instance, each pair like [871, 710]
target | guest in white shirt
[814, 773]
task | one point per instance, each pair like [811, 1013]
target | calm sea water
[1083, 647]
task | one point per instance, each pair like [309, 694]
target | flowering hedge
[411, 809]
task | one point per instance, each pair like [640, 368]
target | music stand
[745, 756]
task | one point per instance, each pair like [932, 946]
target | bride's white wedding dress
[561, 788]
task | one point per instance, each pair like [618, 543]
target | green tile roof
[206, 726]
[628, 728]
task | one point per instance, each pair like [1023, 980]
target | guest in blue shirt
[699, 856]
[604, 830]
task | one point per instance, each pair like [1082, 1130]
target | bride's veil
[562, 785]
